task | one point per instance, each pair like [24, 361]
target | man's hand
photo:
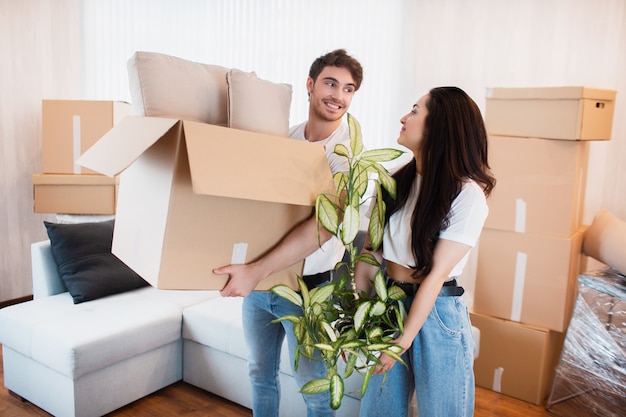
[297, 245]
[242, 279]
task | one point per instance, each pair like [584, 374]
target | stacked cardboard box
[530, 250]
[69, 128]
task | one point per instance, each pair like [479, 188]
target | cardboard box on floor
[74, 194]
[70, 127]
[541, 185]
[567, 113]
[527, 278]
[194, 197]
[516, 359]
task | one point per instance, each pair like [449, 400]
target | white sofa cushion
[166, 86]
[76, 339]
[223, 317]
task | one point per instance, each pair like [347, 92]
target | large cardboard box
[74, 194]
[568, 113]
[527, 278]
[516, 359]
[70, 127]
[194, 197]
[541, 185]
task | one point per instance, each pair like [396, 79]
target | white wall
[406, 47]
[40, 59]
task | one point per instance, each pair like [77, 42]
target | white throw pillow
[257, 105]
[166, 86]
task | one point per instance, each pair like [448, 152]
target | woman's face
[412, 132]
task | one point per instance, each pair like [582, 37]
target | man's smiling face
[330, 95]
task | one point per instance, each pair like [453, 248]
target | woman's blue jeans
[264, 340]
[440, 368]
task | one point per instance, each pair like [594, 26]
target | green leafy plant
[345, 326]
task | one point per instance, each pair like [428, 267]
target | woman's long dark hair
[454, 149]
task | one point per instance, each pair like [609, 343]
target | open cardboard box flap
[124, 143]
[223, 161]
[255, 165]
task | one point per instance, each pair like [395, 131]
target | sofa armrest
[46, 279]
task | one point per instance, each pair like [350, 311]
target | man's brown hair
[338, 58]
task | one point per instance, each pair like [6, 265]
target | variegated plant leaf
[360, 180]
[336, 391]
[288, 294]
[304, 291]
[326, 212]
[356, 143]
[341, 150]
[329, 331]
[381, 155]
[316, 386]
[350, 365]
[378, 308]
[377, 220]
[350, 225]
[380, 285]
[341, 181]
[322, 294]
[368, 258]
[395, 293]
[366, 379]
[386, 180]
[361, 314]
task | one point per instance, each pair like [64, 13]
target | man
[333, 79]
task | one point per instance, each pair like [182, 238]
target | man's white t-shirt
[467, 216]
[325, 258]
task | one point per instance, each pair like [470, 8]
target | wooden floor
[182, 399]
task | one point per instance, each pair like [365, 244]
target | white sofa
[91, 358]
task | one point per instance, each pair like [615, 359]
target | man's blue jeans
[440, 368]
[264, 340]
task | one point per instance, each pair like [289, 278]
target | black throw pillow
[82, 252]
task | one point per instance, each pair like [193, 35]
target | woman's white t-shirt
[467, 217]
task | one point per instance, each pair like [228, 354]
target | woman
[435, 220]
